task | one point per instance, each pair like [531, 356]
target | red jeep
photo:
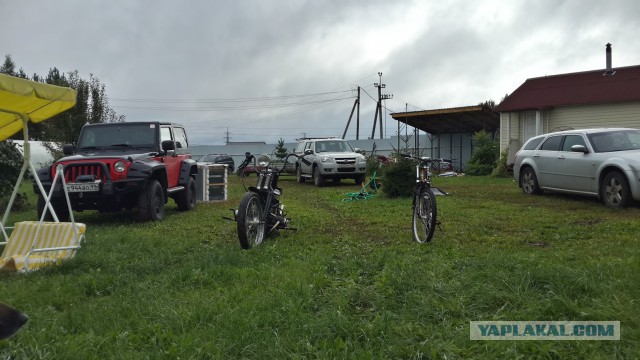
[124, 165]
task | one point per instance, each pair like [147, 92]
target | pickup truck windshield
[332, 146]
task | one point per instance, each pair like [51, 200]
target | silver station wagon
[596, 162]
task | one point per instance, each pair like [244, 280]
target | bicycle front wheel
[251, 228]
[424, 215]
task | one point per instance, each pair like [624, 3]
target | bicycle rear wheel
[424, 215]
[251, 229]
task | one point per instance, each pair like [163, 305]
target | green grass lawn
[349, 283]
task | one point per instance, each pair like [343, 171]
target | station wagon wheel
[529, 181]
[615, 190]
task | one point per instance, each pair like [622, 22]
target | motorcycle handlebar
[246, 160]
[305, 161]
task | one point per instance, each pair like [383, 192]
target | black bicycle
[260, 212]
[425, 209]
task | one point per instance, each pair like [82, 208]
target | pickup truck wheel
[151, 202]
[299, 176]
[318, 179]
[62, 211]
[186, 199]
[359, 179]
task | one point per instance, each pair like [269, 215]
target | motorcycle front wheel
[251, 228]
[424, 215]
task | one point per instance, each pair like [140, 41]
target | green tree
[10, 164]
[10, 157]
[501, 169]
[92, 105]
[485, 154]
[9, 68]
[399, 178]
[281, 152]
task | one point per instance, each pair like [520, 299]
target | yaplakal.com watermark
[544, 330]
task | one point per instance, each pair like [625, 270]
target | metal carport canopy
[451, 120]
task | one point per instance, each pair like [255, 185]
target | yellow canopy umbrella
[24, 100]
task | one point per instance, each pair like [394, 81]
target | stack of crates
[211, 182]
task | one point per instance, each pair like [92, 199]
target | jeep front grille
[99, 171]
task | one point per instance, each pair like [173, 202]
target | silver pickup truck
[329, 158]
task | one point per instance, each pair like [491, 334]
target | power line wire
[216, 100]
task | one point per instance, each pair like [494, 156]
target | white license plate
[346, 165]
[88, 187]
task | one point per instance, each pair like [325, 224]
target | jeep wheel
[151, 202]
[186, 199]
[62, 210]
[299, 176]
[318, 180]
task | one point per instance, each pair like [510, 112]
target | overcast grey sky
[265, 69]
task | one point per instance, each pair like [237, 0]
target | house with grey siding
[608, 97]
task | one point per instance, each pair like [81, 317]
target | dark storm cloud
[431, 54]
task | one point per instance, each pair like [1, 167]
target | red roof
[589, 87]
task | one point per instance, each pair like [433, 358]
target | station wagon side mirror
[67, 149]
[308, 152]
[579, 148]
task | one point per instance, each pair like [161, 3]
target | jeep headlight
[326, 159]
[119, 166]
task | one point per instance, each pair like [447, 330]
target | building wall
[593, 116]
[515, 127]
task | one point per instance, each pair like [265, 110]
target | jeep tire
[186, 199]
[61, 209]
[151, 202]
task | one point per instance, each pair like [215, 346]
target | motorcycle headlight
[119, 166]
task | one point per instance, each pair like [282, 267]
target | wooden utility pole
[356, 104]
[226, 136]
